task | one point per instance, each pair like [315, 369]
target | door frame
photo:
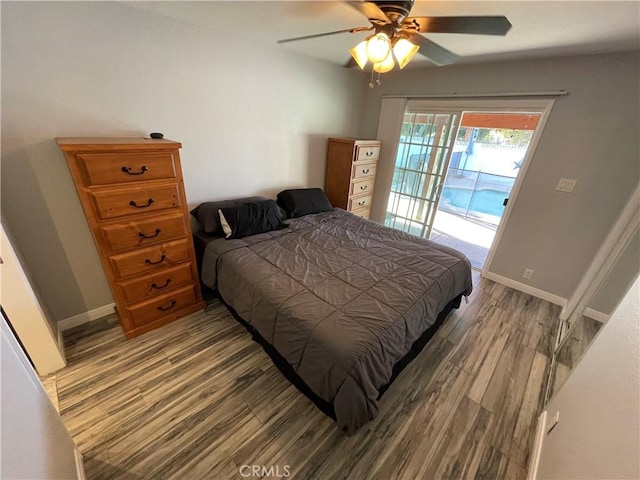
[497, 105]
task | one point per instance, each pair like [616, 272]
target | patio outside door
[422, 159]
[449, 166]
[487, 157]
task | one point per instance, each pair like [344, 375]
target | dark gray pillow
[207, 212]
[303, 201]
[252, 218]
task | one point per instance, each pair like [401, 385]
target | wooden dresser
[351, 174]
[132, 193]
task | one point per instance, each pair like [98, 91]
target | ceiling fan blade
[497, 25]
[326, 34]
[434, 52]
[371, 11]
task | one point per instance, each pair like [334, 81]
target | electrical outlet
[528, 273]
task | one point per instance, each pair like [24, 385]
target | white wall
[598, 436]
[35, 443]
[591, 135]
[252, 118]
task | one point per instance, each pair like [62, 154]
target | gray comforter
[342, 299]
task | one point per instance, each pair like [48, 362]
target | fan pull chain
[377, 81]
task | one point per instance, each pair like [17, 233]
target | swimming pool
[485, 200]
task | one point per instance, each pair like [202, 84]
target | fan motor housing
[395, 11]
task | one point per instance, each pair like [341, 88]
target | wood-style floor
[198, 399]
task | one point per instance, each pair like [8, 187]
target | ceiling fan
[396, 35]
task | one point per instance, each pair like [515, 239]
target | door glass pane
[482, 169]
[423, 152]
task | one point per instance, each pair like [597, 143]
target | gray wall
[252, 120]
[591, 135]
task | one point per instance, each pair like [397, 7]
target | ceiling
[540, 28]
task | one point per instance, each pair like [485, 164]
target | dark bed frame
[289, 373]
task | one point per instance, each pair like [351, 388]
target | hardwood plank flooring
[198, 399]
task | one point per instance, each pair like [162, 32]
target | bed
[340, 303]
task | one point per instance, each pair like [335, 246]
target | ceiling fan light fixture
[404, 51]
[359, 54]
[378, 47]
[385, 66]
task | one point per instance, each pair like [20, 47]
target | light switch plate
[566, 185]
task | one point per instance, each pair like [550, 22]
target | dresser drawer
[360, 187]
[356, 203]
[169, 304]
[157, 283]
[364, 170]
[366, 153]
[362, 212]
[140, 232]
[110, 168]
[135, 200]
[150, 258]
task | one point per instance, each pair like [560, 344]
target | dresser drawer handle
[142, 235]
[160, 287]
[128, 171]
[149, 262]
[134, 204]
[364, 172]
[164, 309]
[363, 187]
[363, 202]
[368, 154]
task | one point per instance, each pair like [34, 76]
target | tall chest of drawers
[351, 174]
[132, 194]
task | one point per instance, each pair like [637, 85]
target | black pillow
[303, 201]
[252, 218]
[207, 212]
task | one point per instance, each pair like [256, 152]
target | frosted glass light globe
[378, 47]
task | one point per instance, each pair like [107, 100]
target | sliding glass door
[424, 149]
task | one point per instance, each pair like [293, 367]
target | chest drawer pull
[171, 305]
[128, 171]
[362, 202]
[369, 154]
[164, 285]
[149, 262]
[365, 171]
[363, 187]
[142, 235]
[134, 204]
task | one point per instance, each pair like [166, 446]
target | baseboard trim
[86, 317]
[522, 287]
[61, 342]
[80, 465]
[534, 461]
[596, 315]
